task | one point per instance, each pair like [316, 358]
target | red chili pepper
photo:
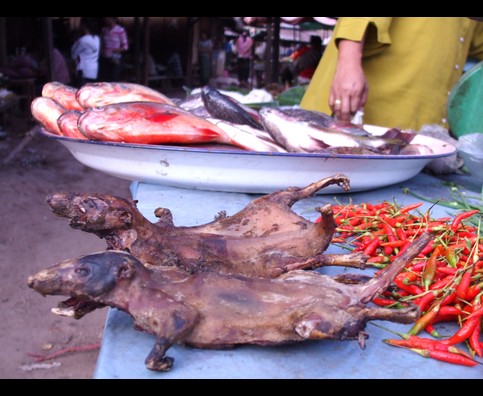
[419, 266]
[401, 234]
[428, 248]
[378, 259]
[464, 285]
[473, 291]
[474, 340]
[431, 330]
[441, 283]
[476, 314]
[424, 343]
[457, 220]
[466, 234]
[417, 342]
[371, 248]
[411, 289]
[406, 277]
[423, 321]
[390, 233]
[444, 356]
[424, 301]
[429, 272]
[463, 332]
[451, 256]
[404, 247]
[449, 299]
[410, 207]
[394, 244]
[384, 302]
[450, 310]
[447, 270]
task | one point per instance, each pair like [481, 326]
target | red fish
[68, 124]
[63, 94]
[147, 123]
[104, 93]
[46, 111]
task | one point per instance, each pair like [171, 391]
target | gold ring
[337, 102]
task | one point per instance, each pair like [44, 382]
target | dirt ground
[32, 238]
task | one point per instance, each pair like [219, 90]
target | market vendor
[399, 70]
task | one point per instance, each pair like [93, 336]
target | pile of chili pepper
[445, 280]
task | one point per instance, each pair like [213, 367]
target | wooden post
[48, 46]
[145, 50]
[273, 49]
[137, 50]
[3, 42]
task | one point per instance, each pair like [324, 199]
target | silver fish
[293, 136]
[194, 104]
[324, 120]
[247, 137]
[228, 109]
[302, 135]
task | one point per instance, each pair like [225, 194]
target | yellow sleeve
[476, 47]
[355, 28]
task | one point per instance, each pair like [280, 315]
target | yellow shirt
[411, 65]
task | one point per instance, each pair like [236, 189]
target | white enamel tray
[247, 171]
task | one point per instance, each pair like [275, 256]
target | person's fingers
[342, 108]
[364, 96]
[355, 104]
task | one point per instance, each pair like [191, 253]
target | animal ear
[126, 270]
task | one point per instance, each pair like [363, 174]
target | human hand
[349, 88]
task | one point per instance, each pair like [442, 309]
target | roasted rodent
[213, 310]
[264, 239]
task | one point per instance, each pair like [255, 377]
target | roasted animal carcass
[213, 310]
[264, 239]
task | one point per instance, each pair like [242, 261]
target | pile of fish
[133, 113]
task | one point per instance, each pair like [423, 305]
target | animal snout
[31, 281]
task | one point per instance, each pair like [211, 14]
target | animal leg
[170, 321]
[349, 260]
[157, 359]
[355, 260]
[292, 195]
[314, 327]
[381, 282]
[402, 315]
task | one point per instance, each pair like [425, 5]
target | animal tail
[380, 282]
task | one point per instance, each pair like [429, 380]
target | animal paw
[163, 364]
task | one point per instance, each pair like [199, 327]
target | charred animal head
[84, 277]
[93, 212]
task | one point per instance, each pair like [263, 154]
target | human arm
[355, 37]
[349, 85]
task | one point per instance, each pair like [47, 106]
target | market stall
[198, 207]
[316, 359]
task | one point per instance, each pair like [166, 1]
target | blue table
[123, 349]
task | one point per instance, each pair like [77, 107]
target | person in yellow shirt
[399, 70]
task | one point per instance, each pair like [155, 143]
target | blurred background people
[114, 43]
[400, 70]
[303, 62]
[205, 48]
[243, 48]
[60, 68]
[85, 52]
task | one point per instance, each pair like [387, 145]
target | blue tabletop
[124, 349]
